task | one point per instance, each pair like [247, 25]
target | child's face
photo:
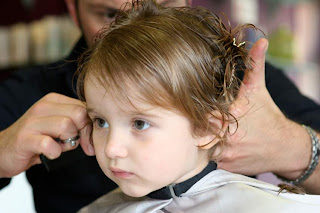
[141, 152]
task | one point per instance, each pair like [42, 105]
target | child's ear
[217, 128]
[86, 140]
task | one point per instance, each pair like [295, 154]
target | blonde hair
[176, 58]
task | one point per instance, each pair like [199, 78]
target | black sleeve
[16, 98]
[18, 93]
[25, 87]
[288, 98]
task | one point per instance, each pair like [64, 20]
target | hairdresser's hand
[54, 116]
[265, 140]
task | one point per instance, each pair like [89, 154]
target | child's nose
[116, 145]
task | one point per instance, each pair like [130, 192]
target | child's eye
[101, 123]
[141, 125]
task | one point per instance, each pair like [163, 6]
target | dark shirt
[79, 180]
[291, 102]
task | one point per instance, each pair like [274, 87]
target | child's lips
[121, 173]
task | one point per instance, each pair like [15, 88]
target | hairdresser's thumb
[256, 77]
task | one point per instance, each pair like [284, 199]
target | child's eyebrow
[143, 113]
[132, 113]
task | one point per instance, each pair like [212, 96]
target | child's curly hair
[176, 58]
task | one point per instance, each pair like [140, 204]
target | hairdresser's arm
[266, 140]
[297, 165]
[301, 110]
[54, 116]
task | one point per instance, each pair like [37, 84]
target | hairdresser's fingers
[60, 127]
[23, 142]
[42, 144]
[76, 112]
[256, 77]
[20, 149]
[58, 98]
[60, 105]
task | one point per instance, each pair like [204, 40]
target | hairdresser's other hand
[264, 140]
[54, 116]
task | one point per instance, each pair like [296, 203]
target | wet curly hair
[177, 58]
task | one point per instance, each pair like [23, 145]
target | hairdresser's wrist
[295, 158]
[312, 183]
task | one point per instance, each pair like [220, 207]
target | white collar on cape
[220, 191]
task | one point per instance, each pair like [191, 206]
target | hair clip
[237, 45]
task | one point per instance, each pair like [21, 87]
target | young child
[158, 85]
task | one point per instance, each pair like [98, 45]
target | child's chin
[135, 193]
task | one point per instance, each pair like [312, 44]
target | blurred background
[292, 27]
[34, 32]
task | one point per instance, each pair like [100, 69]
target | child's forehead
[127, 99]
[128, 85]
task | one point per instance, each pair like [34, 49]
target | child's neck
[175, 190]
